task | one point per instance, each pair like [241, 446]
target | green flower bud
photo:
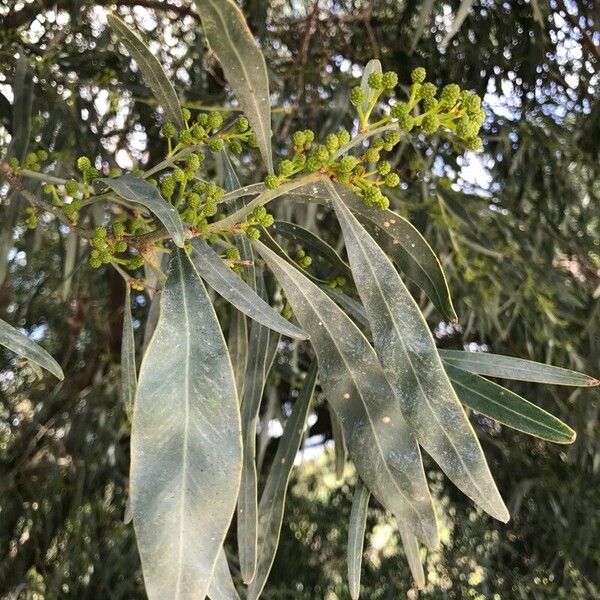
[95, 263]
[287, 312]
[390, 80]
[392, 180]
[313, 163]
[235, 147]
[399, 110]
[169, 130]
[178, 175]
[449, 95]
[242, 125]
[309, 136]
[100, 234]
[299, 138]
[375, 81]
[186, 137]
[332, 143]
[136, 262]
[267, 220]
[193, 162]
[120, 246]
[118, 228]
[430, 124]
[427, 91]
[286, 168]
[215, 120]
[384, 167]
[471, 102]
[357, 95]
[185, 114]
[198, 133]
[322, 153]
[271, 182]
[343, 137]
[217, 145]
[474, 143]
[232, 254]
[252, 233]
[202, 119]
[372, 155]
[13, 163]
[83, 163]
[418, 75]
[41, 155]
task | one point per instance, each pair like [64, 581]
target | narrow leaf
[411, 551]
[459, 17]
[221, 584]
[71, 244]
[21, 108]
[385, 453]
[424, 17]
[508, 367]
[128, 369]
[237, 344]
[224, 281]
[404, 244]
[373, 66]
[244, 66]
[508, 408]
[356, 536]
[151, 70]
[20, 344]
[185, 442]
[136, 189]
[412, 365]
[272, 501]
[341, 452]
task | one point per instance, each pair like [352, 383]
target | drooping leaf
[412, 365]
[20, 344]
[71, 244]
[508, 367]
[151, 70]
[21, 108]
[137, 190]
[128, 368]
[356, 536]
[185, 442]
[461, 14]
[341, 452]
[224, 281]
[309, 240]
[237, 343]
[272, 501]
[244, 66]
[508, 408]
[411, 551]
[409, 250]
[373, 66]
[221, 584]
[379, 442]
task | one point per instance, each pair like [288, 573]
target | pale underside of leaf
[356, 536]
[244, 66]
[151, 70]
[137, 190]
[411, 551]
[508, 367]
[20, 344]
[224, 281]
[272, 501]
[221, 584]
[373, 66]
[412, 365]
[341, 452]
[385, 453]
[128, 368]
[185, 442]
[508, 408]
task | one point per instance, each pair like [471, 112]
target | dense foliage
[515, 227]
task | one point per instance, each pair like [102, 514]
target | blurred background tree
[517, 229]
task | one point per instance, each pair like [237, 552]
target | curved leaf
[151, 70]
[508, 408]
[244, 66]
[379, 442]
[411, 363]
[237, 344]
[508, 367]
[272, 501]
[411, 551]
[20, 344]
[185, 442]
[224, 281]
[128, 369]
[221, 584]
[138, 190]
[356, 536]
[341, 452]
[404, 244]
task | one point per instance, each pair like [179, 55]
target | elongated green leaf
[128, 369]
[272, 501]
[356, 536]
[21, 108]
[341, 452]
[151, 70]
[379, 442]
[71, 244]
[412, 365]
[221, 584]
[136, 189]
[411, 551]
[309, 240]
[237, 343]
[459, 17]
[224, 281]
[424, 17]
[373, 66]
[185, 442]
[409, 250]
[244, 66]
[508, 408]
[508, 367]
[20, 344]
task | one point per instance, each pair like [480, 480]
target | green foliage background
[521, 251]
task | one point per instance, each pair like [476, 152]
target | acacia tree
[185, 219]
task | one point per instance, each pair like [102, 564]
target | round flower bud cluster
[105, 247]
[302, 259]
[377, 84]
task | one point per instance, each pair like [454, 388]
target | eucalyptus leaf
[412, 365]
[379, 442]
[409, 250]
[356, 536]
[508, 367]
[411, 551]
[185, 442]
[373, 66]
[128, 368]
[151, 70]
[138, 190]
[224, 281]
[221, 584]
[20, 344]
[508, 408]
[244, 66]
[272, 501]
